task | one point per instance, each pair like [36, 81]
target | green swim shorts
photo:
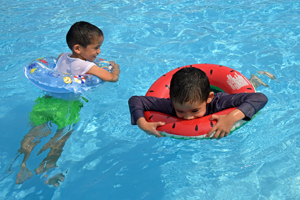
[61, 112]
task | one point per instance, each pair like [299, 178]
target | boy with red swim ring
[191, 97]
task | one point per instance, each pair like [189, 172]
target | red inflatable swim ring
[221, 78]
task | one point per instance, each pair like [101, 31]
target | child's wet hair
[189, 85]
[82, 33]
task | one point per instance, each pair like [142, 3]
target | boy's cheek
[179, 115]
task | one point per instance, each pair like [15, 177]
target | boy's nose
[98, 51]
[188, 117]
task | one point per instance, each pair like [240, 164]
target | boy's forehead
[190, 104]
[97, 39]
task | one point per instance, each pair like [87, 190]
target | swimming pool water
[103, 156]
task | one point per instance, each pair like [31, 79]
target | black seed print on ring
[211, 124]
[232, 70]
[211, 71]
[151, 91]
[249, 88]
[167, 86]
[173, 126]
[196, 128]
[150, 116]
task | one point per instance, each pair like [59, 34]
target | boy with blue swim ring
[84, 40]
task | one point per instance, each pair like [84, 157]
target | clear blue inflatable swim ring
[42, 74]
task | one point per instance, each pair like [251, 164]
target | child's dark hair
[82, 33]
[189, 85]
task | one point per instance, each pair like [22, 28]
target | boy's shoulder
[220, 94]
[236, 96]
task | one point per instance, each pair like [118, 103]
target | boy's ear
[76, 48]
[210, 97]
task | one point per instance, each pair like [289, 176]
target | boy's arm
[105, 75]
[139, 104]
[248, 104]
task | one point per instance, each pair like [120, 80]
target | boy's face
[92, 50]
[192, 110]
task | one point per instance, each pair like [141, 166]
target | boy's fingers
[157, 134]
[161, 123]
[216, 135]
[211, 132]
[214, 117]
[210, 135]
[222, 134]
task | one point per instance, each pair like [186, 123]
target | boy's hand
[116, 71]
[225, 123]
[222, 127]
[149, 127]
[114, 64]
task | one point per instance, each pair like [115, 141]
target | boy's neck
[74, 55]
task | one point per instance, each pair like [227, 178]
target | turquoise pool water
[102, 156]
